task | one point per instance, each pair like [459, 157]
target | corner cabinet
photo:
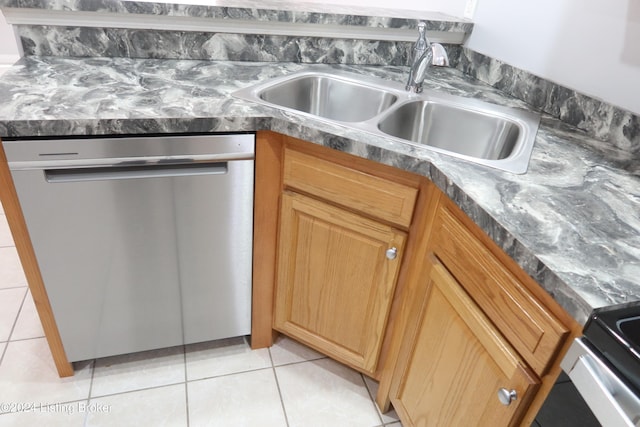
[378, 269]
[342, 237]
[460, 367]
[483, 343]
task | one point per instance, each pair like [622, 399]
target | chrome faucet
[423, 56]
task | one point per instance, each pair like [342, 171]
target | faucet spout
[424, 55]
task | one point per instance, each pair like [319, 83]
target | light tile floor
[222, 383]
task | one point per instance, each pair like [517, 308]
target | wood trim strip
[18, 227]
[265, 234]
[408, 289]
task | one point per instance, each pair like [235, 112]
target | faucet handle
[440, 57]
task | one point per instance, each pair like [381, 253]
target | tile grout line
[373, 401]
[186, 383]
[136, 390]
[27, 339]
[94, 364]
[4, 350]
[13, 244]
[93, 373]
[15, 321]
[222, 375]
[275, 376]
[14, 287]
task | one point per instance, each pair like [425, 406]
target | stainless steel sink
[325, 95]
[453, 129]
[477, 131]
[484, 133]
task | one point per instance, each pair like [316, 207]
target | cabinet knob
[392, 253]
[507, 396]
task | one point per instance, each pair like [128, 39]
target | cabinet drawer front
[533, 331]
[374, 196]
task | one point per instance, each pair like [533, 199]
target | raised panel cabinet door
[458, 364]
[336, 278]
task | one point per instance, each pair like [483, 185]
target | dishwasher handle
[105, 173]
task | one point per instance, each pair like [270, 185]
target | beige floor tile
[28, 324]
[11, 273]
[28, 374]
[10, 303]
[163, 406]
[325, 393]
[285, 351]
[387, 417]
[53, 415]
[5, 234]
[222, 357]
[2, 347]
[246, 399]
[138, 371]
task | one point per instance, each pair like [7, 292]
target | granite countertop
[571, 221]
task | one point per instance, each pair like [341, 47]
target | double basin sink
[480, 132]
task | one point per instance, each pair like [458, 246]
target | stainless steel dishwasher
[143, 242]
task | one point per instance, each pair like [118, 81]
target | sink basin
[327, 96]
[484, 133]
[476, 131]
[467, 132]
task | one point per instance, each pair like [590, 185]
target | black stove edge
[602, 334]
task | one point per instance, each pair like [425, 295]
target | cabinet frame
[268, 196]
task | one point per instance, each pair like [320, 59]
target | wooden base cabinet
[378, 269]
[460, 371]
[341, 243]
[482, 343]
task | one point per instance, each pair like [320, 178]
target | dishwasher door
[142, 243]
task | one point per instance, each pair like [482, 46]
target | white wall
[8, 47]
[592, 46]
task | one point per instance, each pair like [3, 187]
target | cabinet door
[335, 279]
[456, 363]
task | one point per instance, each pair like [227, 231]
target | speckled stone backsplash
[238, 30]
[617, 128]
[133, 43]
